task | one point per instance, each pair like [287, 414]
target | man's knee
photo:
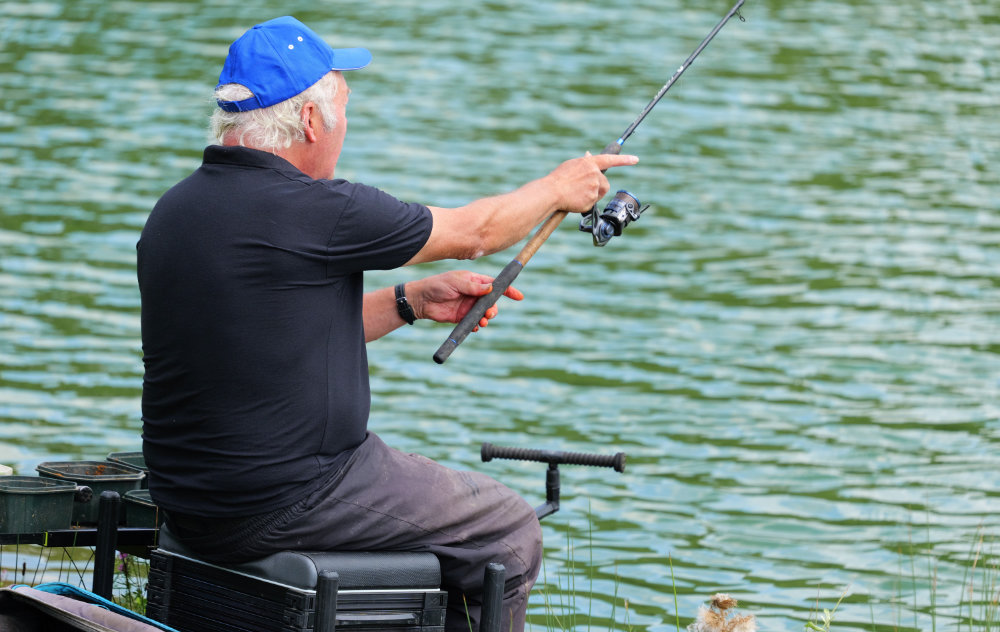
[527, 542]
[536, 551]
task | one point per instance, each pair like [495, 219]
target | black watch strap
[402, 306]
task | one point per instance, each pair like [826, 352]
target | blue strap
[68, 590]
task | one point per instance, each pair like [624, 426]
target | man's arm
[443, 298]
[492, 224]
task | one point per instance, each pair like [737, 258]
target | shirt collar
[246, 157]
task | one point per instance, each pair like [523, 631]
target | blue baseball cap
[279, 59]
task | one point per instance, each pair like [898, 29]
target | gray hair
[277, 126]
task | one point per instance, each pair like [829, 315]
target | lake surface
[797, 346]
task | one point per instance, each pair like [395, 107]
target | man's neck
[298, 155]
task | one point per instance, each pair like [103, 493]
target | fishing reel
[622, 210]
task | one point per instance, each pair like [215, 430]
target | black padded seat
[356, 569]
[296, 591]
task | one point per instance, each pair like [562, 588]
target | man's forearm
[487, 225]
[494, 223]
[379, 313]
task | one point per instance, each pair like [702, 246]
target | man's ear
[311, 120]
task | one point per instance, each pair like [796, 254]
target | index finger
[513, 293]
[606, 161]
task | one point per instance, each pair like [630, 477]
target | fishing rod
[623, 209]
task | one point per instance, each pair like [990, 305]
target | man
[254, 324]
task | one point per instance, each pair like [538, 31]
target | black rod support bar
[488, 452]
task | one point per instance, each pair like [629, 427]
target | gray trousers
[384, 499]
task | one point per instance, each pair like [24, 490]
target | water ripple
[797, 346]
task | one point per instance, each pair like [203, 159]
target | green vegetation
[977, 610]
[570, 606]
[130, 583]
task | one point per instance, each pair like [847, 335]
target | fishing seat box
[392, 591]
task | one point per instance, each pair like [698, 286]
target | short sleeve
[375, 231]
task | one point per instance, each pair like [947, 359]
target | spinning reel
[622, 210]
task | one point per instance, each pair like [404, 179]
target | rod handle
[471, 320]
[615, 461]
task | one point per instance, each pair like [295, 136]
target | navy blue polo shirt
[256, 375]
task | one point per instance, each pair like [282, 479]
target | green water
[798, 346]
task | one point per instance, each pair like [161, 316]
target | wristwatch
[402, 306]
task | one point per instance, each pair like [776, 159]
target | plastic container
[100, 476]
[134, 459]
[141, 511]
[33, 504]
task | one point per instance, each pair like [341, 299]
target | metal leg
[107, 541]
[326, 601]
[492, 597]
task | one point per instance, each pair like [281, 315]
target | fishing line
[677, 75]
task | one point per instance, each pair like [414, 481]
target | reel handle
[553, 457]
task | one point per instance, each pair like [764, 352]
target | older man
[254, 324]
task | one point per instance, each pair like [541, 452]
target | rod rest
[356, 569]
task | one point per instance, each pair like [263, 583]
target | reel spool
[623, 209]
